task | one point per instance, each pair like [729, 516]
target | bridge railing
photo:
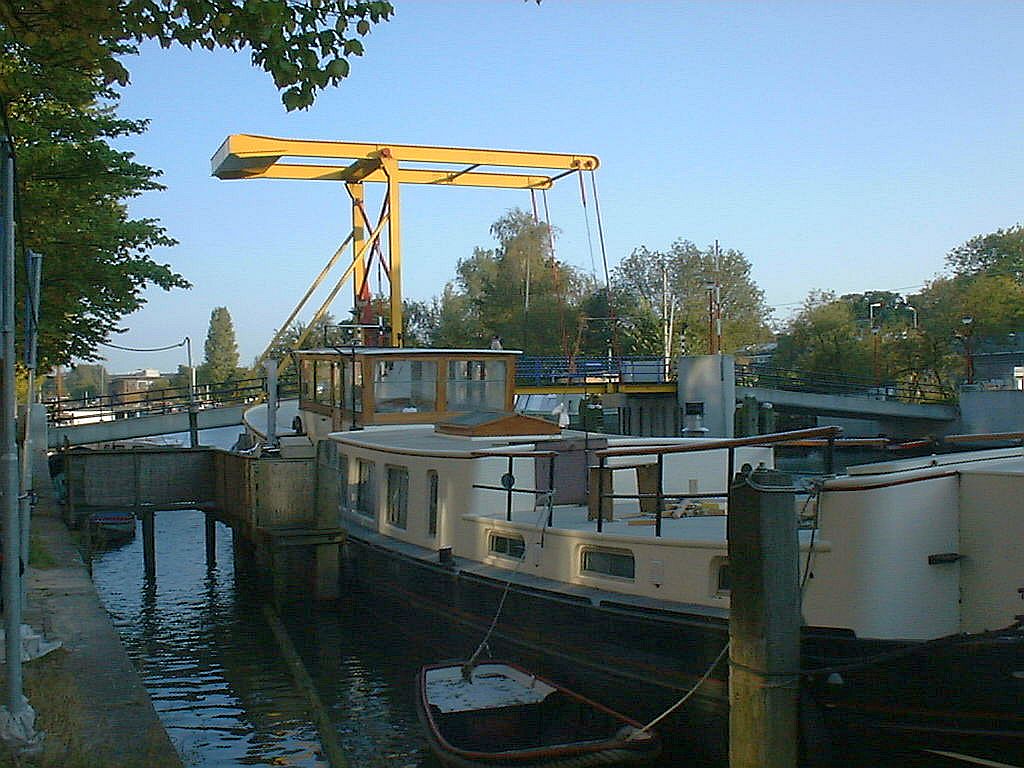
[539, 371]
[65, 412]
[795, 380]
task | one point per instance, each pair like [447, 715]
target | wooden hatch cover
[496, 424]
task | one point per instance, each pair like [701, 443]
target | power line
[181, 343]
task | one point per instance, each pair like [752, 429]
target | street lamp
[914, 310]
[874, 345]
[968, 323]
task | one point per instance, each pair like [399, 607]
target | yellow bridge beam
[245, 156]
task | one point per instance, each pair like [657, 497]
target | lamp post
[874, 334]
[968, 324]
[193, 414]
[914, 310]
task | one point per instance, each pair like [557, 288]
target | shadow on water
[218, 682]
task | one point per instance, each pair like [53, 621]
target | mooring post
[149, 543]
[764, 622]
[211, 541]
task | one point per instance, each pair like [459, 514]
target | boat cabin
[350, 388]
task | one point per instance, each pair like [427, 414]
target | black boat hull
[959, 694]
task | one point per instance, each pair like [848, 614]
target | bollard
[764, 623]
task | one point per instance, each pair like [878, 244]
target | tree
[998, 253]
[517, 291]
[671, 287]
[86, 380]
[59, 63]
[72, 188]
[305, 47]
[825, 337]
[221, 360]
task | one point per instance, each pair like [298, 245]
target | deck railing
[827, 435]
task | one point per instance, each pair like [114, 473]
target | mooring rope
[467, 668]
[686, 696]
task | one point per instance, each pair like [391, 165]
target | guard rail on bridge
[531, 371]
[65, 412]
[795, 380]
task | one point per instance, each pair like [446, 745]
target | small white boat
[498, 714]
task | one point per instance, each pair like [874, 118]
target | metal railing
[828, 434]
[543, 370]
[796, 380]
[65, 412]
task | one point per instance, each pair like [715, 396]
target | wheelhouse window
[432, 488]
[507, 545]
[619, 563]
[405, 386]
[323, 382]
[476, 385]
[398, 496]
[365, 495]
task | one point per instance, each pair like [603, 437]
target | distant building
[132, 387]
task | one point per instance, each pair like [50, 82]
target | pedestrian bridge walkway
[167, 411]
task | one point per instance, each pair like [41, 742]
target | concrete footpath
[111, 717]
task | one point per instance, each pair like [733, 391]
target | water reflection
[209, 662]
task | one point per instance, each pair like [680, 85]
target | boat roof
[422, 440]
[987, 460]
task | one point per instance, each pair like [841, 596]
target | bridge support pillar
[149, 543]
[211, 541]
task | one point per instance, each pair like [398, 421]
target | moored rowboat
[500, 715]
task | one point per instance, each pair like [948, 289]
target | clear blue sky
[840, 146]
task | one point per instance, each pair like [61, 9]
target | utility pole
[17, 719]
[193, 414]
[33, 270]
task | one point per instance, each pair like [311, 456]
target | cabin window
[365, 496]
[432, 487]
[619, 563]
[476, 385]
[398, 496]
[507, 545]
[353, 393]
[306, 377]
[405, 386]
[323, 382]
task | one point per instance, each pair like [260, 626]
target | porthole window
[619, 563]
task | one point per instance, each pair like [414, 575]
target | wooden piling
[211, 541]
[764, 623]
[149, 543]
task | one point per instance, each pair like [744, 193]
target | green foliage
[517, 291]
[667, 291]
[221, 361]
[72, 189]
[85, 379]
[304, 46]
[827, 337]
[998, 253]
